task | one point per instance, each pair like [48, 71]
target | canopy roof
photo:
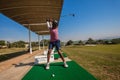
[32, 12]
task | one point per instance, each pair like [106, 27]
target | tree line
[92, 41]
[21, 44]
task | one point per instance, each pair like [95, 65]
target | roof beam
[33, 24]
[40, 6]
[55, 14]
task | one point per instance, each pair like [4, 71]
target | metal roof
[32, 12]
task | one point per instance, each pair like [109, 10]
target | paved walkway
[16, 68]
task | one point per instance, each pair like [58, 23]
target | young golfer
[54, 41]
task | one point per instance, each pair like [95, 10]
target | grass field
[103, 61]
[10, 50]
[9, 53]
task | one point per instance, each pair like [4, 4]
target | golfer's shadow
[23, 64]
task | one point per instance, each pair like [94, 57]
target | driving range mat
[58, 72]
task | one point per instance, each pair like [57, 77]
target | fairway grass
[103, 61]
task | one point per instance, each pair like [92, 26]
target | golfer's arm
[48, 25]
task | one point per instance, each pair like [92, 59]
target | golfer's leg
[61, 56]
[59, 52]
[65, 64]
[57, 45]
[48, 55]
[48, 59]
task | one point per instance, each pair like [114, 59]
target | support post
[30, 47]
[43, 41]
[39, 42]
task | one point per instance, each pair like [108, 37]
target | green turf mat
[56, 56]
[73, 72]
[55, 51]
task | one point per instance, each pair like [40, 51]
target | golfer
[54, 41]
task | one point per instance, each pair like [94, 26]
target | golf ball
[53, 75]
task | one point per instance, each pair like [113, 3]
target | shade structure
[32, 13]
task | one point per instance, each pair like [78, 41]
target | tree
[8, 44]
[108, 42]
[18, 44]
[34, 44]
[100, 41]
[21, 44]
[90, 41]
[46, 42]
[2, 42]
[80, 42]
[69, 42]
[115, 41]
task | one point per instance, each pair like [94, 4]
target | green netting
[73, 72]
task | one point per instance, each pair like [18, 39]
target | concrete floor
[16, 68]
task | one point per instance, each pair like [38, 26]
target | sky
[97, 19]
